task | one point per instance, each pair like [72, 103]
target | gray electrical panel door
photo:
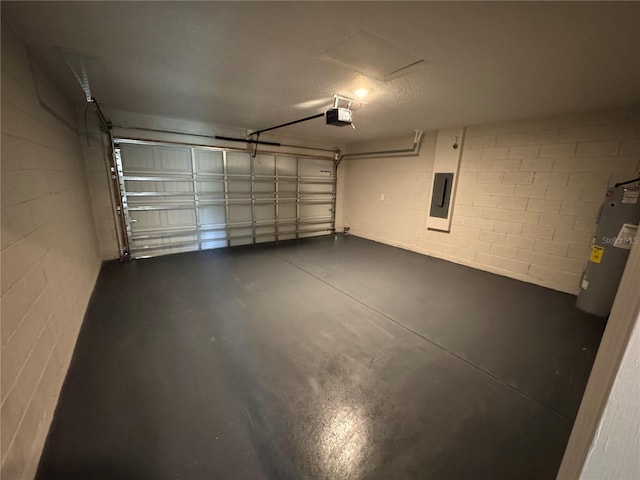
[441, 195]
[615, 234]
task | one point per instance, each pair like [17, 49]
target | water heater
[615, 234]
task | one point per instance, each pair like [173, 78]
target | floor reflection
[343, 441]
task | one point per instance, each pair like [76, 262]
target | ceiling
[256, 65]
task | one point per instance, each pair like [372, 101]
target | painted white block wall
[528, 194]
[49, 258]
[616, 447]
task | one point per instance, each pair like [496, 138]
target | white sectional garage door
[179, 198]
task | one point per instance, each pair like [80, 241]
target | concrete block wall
[528, 195]
[49, 259]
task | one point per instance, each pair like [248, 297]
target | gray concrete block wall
[49, 259]
[527, 199]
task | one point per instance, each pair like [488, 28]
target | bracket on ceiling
[77, 63]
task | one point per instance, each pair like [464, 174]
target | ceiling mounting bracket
[337, 98]
[78, 63]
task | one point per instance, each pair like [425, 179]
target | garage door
[178, 198]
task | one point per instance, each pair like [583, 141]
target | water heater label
[596, 254]
[627, 236]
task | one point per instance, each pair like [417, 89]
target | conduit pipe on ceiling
[414, 150]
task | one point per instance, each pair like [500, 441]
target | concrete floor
[323, 359]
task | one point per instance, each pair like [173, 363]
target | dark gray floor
[327, 358]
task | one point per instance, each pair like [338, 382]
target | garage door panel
[212, 215]
[287, 189]
[264, 165]
[240, 186]
[206, 186]
[166, 249]
[146, 158]
[239, 213]
[209, 162]
[180, 218]
[287, 166]
[266, 233]
[149, 242]
[241, 236]
[145, 219]
[238, 163]
[265, 187]
[159, 186]
[213, 239]
[176, 186]
[310, 167]
[314, 188]
[211, 244]
[181, 198]
[287, 212]
[264, 212]
[159, 219]
[139, 158]
[314, 211]
[175, 160]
